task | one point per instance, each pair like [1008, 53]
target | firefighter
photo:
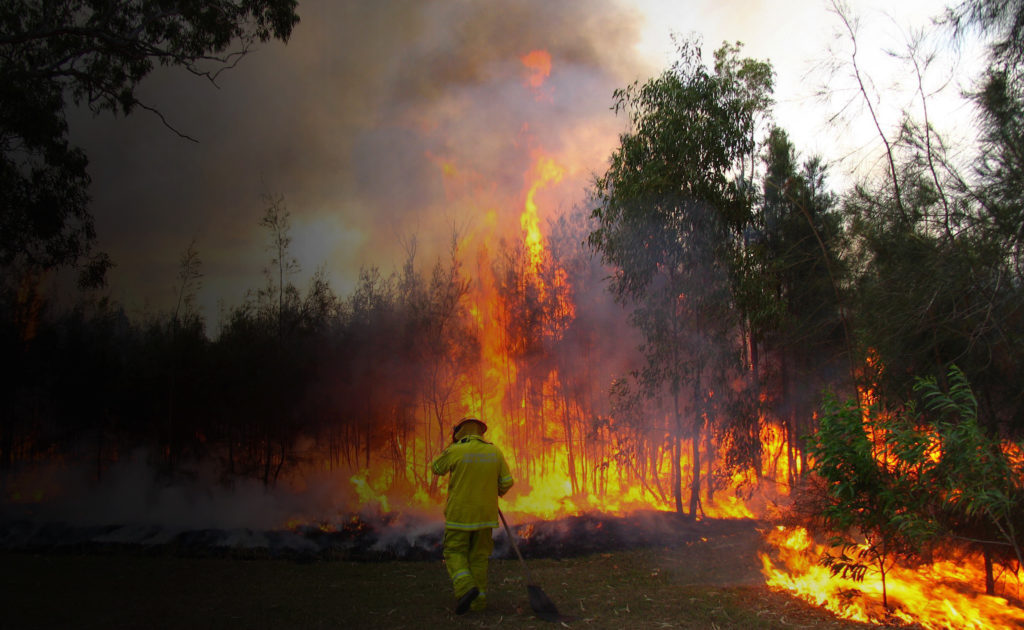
[479, 475]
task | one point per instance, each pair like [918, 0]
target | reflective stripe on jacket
[479, 475]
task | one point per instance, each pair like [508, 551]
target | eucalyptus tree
[95, 53]
[670, 211]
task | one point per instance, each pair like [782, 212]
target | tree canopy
[670, 210]
[95, 53]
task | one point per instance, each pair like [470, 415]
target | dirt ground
[712, 582]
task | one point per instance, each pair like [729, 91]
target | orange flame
[933, 596]
[560, 468]
[545, 171]
[538, 62]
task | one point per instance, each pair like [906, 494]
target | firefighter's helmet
[463, 422]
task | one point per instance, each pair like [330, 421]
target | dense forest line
[712, 290]
[351, 382]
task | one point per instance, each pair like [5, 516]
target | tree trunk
[99, 453]
[583, 441]
[790, 433]
[790, 454]
[367, 449]
[280, 464]
[695, 464]
[171, 428]
[346, 444]
[885, 592]
[267, 456]
[695, 485]
[709, 454]
[755, 358]
[677, 471]
[570, 454]
[655, 472]
[802, 423]
[990, 582]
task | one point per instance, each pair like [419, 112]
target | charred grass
[711, 583]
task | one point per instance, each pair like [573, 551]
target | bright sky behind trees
[380, 121]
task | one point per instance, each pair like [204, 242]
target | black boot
[466, 600]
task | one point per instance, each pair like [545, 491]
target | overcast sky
[387, 119]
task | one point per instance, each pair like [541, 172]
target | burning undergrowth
[935, 595]
[370, 537]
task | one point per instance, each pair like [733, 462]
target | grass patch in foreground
[705, 585]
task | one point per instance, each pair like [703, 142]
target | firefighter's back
[475, 467]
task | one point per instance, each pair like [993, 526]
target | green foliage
[670, 211]
[788, 282]
[1003, 20]
[937, 248]
[670, 206]
[976, 477]
[874, 499]
[803, 238]
[673, 175]
[899, 483]
[1001, 165]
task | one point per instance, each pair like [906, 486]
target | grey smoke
[132, 493]
[341, 121]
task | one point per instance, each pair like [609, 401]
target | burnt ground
[648, 571]
[367, 537]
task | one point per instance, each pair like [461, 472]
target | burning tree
[670, 214]
[872, 501]
[979, 479]
[789, 288]
[899, 484]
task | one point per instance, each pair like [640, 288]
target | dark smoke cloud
[352, 122]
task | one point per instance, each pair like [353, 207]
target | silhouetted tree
[94, 53]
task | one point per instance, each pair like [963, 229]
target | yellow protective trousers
[465, 555]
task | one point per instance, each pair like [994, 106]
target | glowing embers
[940, 595]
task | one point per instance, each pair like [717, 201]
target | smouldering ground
[708, 584]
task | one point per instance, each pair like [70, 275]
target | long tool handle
[511, 538]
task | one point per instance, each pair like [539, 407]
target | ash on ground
[375, 537]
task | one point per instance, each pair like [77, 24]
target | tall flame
[534, 409]
[568, 455]
[545, 171]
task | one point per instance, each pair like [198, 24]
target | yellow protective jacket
[479, 475]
